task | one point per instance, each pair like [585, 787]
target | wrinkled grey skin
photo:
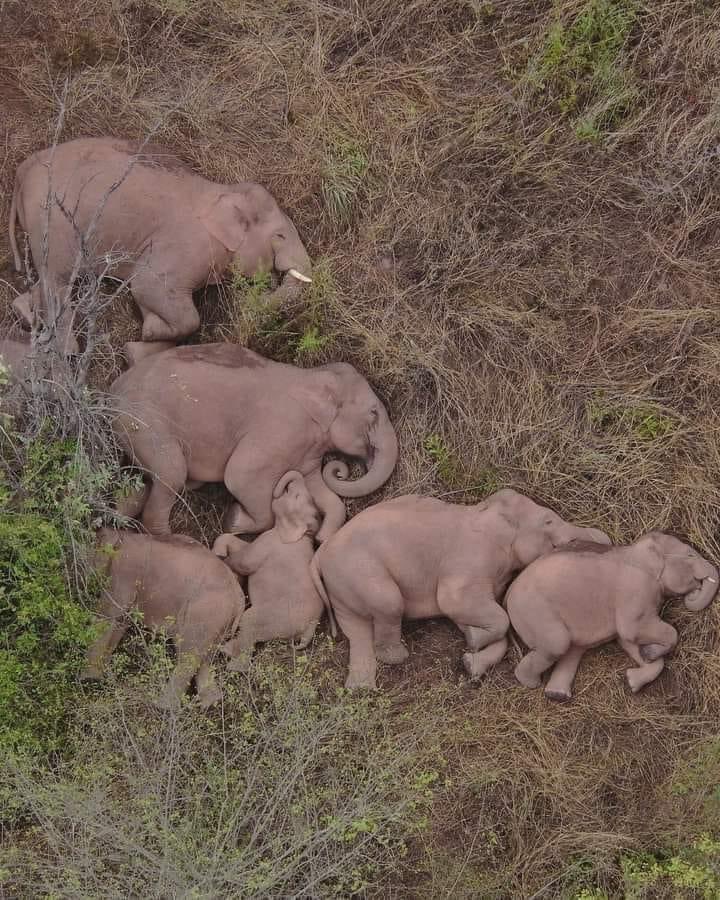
[418, 557]
[178, 585]
[219, 412]
[167, 229]
[283, 598]
[581, 597]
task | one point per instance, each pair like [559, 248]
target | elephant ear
[227, 222]
[320, 402]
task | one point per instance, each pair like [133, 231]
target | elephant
[284, 600]
[178, 584]
[219, 412]
[584, 596]
[135, 212]
[417, 557]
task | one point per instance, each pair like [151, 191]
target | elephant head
[295, 512]
[359, 428]
[682, 572]
[258, 235]
[537, 529]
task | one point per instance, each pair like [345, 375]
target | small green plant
[641, 421]
[695, 868]
[344, 173]
[581, 65]
[311, 343]
[447, 464]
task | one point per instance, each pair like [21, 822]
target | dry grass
[541, 304]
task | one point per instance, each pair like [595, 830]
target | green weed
[692, 869]
[582, 65]
[642, 422]
[344, 173]
[453, 472]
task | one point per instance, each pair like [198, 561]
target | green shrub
[295, 789]
[45, 624]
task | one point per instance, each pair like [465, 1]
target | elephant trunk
[381, 463]
[702, 596]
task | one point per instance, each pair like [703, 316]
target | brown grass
[528, 297]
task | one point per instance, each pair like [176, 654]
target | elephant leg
[389, 647]
[253, 513]
[645, 672]
[307, 635]
[168, 480]
[131, 505]
[100, 651]
[559, 686]
[188, 663]
[240, 648]
[481, 619]
[362, 667]
[530, 669]
[656, 639]
[208, 691]
[168, 312]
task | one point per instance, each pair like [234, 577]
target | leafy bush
[45, 624]
[296, 789]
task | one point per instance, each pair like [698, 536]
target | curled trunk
[380, 465]
[703, 596]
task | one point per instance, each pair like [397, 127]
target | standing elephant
[177, 584]
[135, 212]
[575, 599]
[417, 557]
[284, 600]
[219, 412]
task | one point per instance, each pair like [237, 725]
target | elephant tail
[320, 588]
[11, 230]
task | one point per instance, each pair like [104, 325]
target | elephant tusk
[711, 580]
[299, 276]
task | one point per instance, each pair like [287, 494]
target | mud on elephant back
[221, 413]
[136, 213]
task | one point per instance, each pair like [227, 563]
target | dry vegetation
[514, 209]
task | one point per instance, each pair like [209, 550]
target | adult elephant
[135, 212]
[219, 412]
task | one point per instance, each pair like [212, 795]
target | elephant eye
[281, 236]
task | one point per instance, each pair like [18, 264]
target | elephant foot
[241, 662]
[526, 679]
[634, 679]
[391, 654]
[559, 695]
[134, 351]
[476, 665]
[91, 673]
[651, 652]
[356, 681]
[167, 701]
[209, 696]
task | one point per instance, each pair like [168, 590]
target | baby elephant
[583, 596]
[177, 584]
[285, 603]
[417, 557]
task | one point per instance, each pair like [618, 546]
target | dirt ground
[518, 244]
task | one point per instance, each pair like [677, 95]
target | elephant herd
[189, 415]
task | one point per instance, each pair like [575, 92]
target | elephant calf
[575, 599]
[177, 584]
[284, 601]
[417, 557]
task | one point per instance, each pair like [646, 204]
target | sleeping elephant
[417, 557]
[219, 412]
[140, 214]
[178, 585]
[584, 596]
